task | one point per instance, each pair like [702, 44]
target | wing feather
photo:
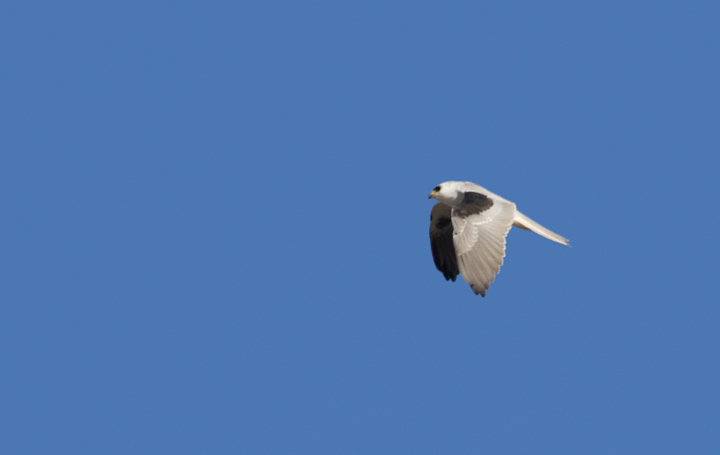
[441, 241]
[480, 243]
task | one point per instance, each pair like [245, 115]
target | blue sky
[214, 232]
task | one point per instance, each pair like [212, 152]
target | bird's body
[468, 227]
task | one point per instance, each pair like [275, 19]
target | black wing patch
[472, 204]
[441, 241]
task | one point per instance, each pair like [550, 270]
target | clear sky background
[214, 227]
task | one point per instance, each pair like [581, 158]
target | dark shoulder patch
[472, 204]
[442, 223]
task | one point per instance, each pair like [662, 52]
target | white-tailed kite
[468, 227]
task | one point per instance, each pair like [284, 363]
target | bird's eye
[437, 188]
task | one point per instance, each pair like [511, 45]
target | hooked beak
[432, 195]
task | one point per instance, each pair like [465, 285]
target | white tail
[526, 223]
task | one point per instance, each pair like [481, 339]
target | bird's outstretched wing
[480, 225]
[441, 241]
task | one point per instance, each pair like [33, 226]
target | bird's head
[450, 193]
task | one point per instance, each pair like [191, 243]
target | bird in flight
[468, 226]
